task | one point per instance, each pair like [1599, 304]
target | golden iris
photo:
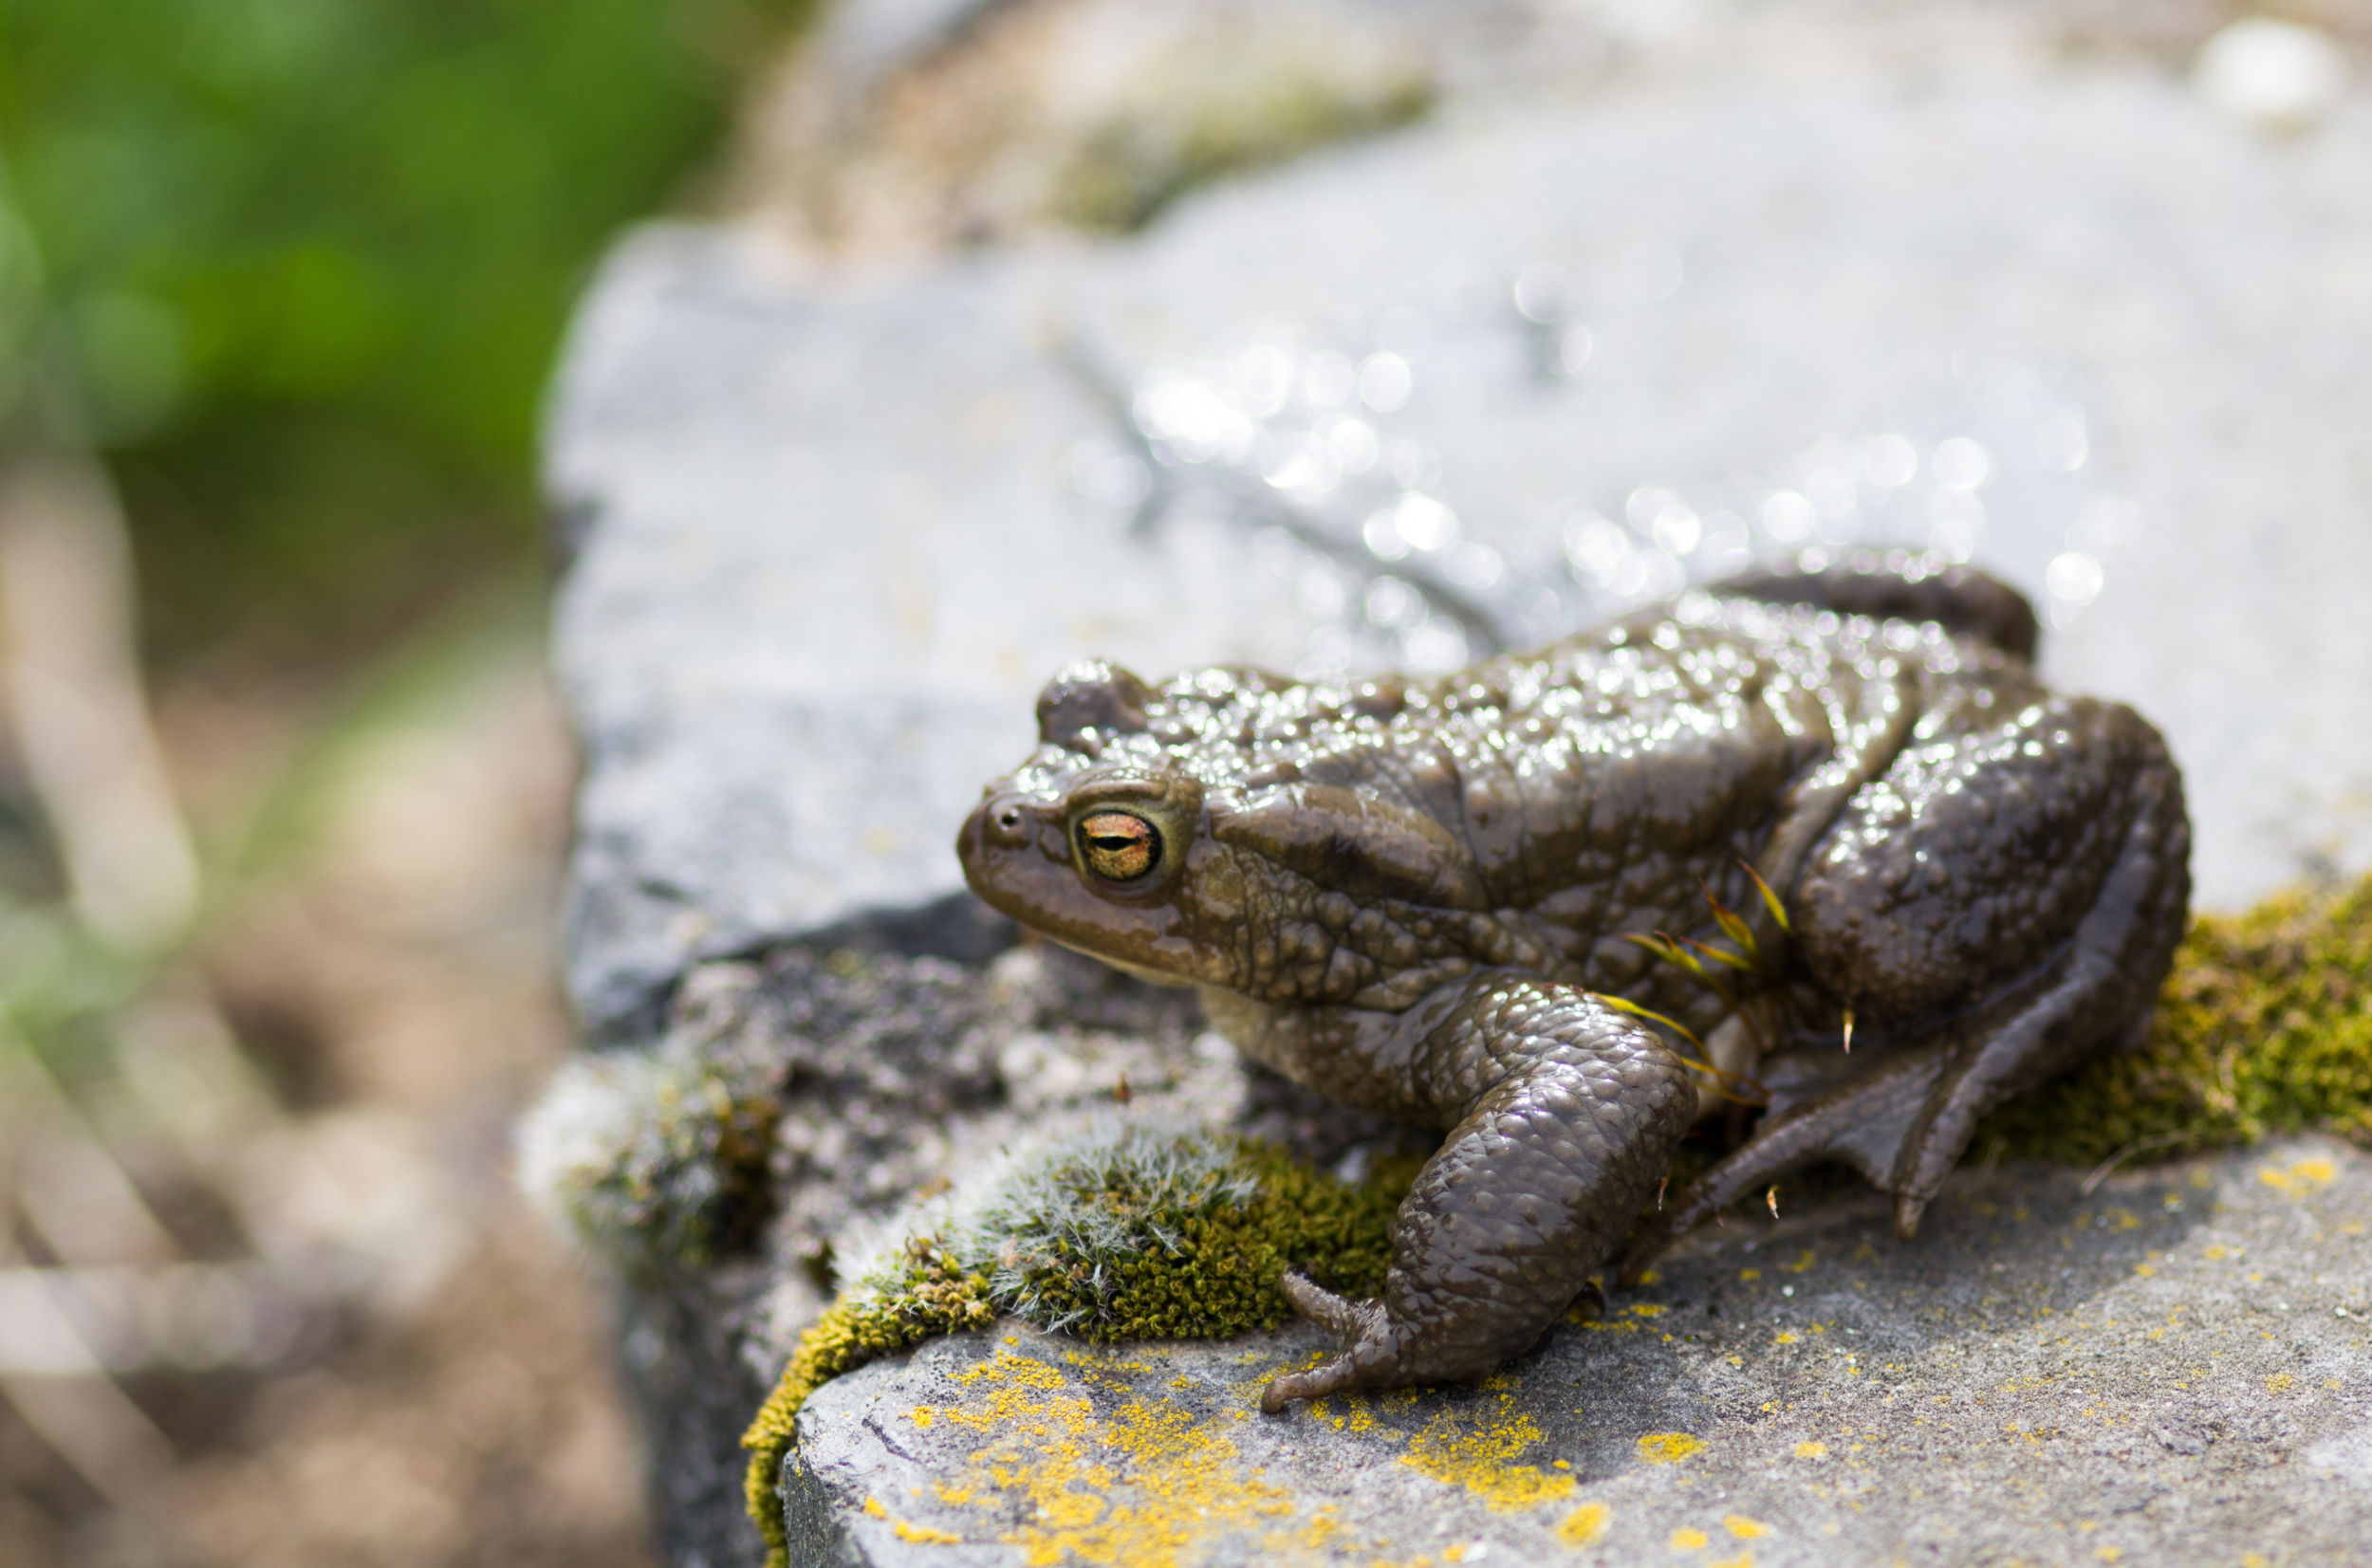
[1118, 846]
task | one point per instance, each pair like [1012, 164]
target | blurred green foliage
[307, 262]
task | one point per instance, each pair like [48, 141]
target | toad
[1823, 819]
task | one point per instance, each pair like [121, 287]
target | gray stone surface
[2175, 1368]
[831, 536]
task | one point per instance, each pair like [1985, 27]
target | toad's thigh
[1975, 857]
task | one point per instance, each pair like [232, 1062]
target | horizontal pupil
[1119, 846]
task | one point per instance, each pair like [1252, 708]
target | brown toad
[1412, 894]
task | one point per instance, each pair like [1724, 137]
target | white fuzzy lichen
[580, 1132]
[647, 1156]
[1053, 1196]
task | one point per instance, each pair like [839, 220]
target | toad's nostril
[1006, 823]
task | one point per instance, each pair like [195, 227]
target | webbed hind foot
[1868, 1124]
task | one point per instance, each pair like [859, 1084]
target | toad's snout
[1000, 822]
[1007, 837]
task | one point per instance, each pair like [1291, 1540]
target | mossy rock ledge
[1081, 1419]
[2172, 1367]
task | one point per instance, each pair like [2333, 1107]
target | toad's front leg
[1564, 1115]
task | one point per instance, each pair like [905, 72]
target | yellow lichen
[923, 1534]
[1174, 1483]
[1480, 1456]
[2300, 1178]
[1584, 1524]
[1688, 1539]
[1668, 1448]
[1322, 1527]
[1205, 1264]
[851, 1334]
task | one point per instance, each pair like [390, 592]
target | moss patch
[2265, 1026]
[1123, 1232]
[657, 1162]
[1193, 127]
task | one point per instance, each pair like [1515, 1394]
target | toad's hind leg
[2101, 990]
[1564, 1116]
[2063, 913]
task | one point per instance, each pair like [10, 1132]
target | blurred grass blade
[81, 721]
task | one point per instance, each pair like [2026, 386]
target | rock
[1464, 387]
[2156, 1370]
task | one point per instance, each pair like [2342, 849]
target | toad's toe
[1370, 1360]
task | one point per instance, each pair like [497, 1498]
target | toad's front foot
[1374, 1354]
[1564, 1115]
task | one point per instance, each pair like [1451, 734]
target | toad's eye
[1118, 846]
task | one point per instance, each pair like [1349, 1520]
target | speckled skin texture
[1405, 893]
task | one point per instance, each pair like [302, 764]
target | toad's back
[1598, 786]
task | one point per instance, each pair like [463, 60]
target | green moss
[1201, 127]
[694, 1187]
[2265, 1026]
[938, 1299]
[1132, 1233]
[656, 1163]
